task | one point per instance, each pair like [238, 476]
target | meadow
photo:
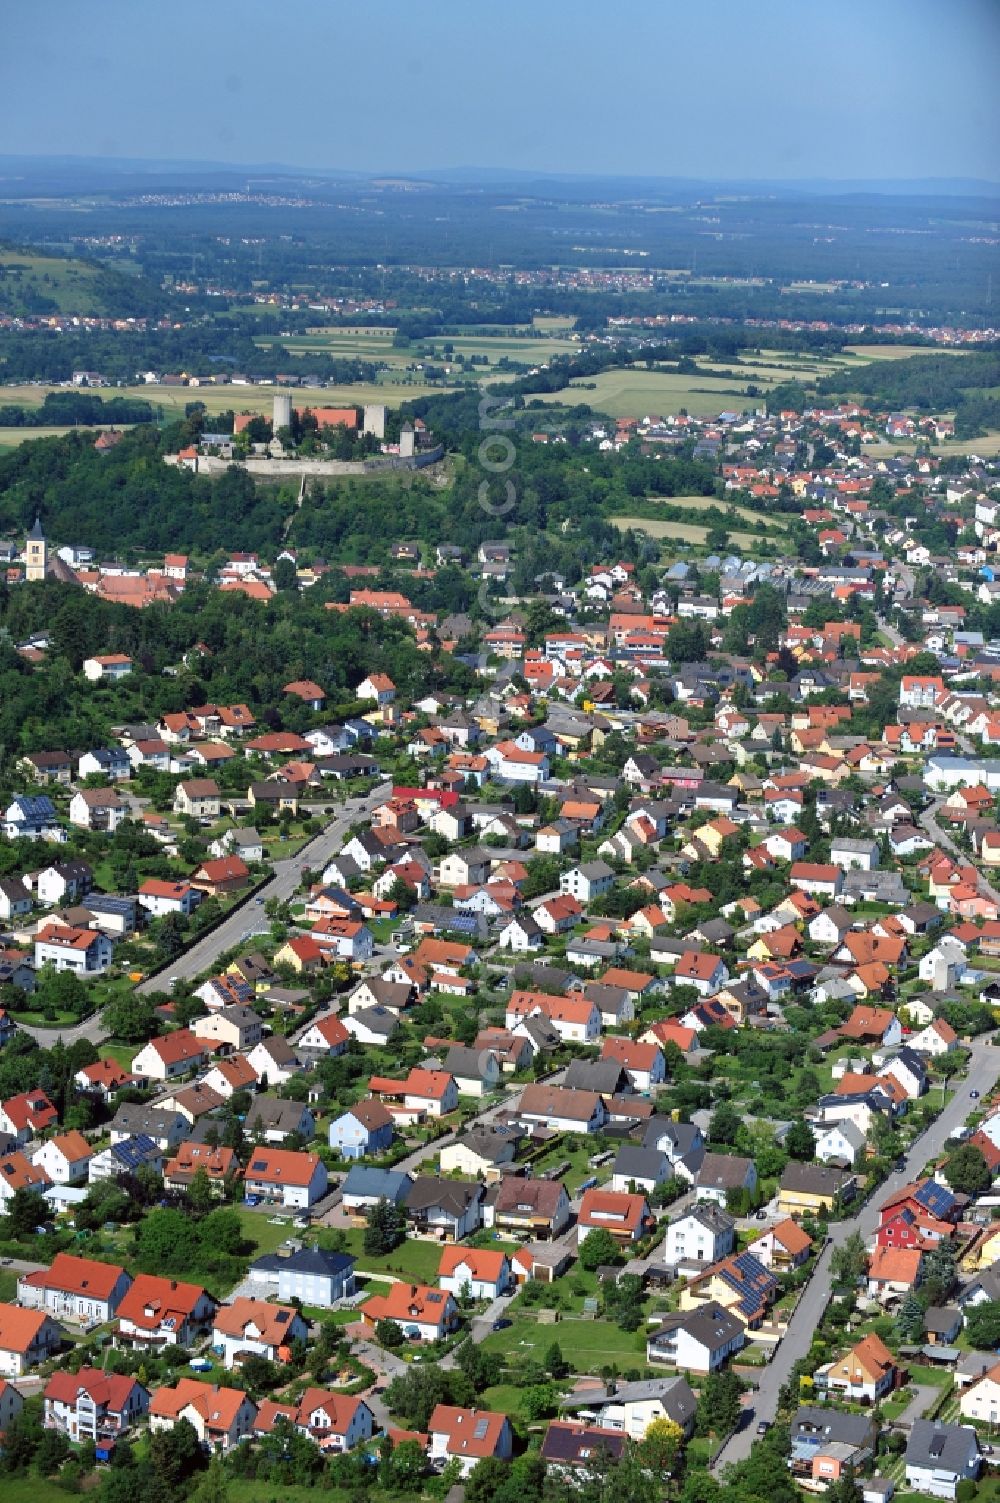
[70, 284]
[686, 532]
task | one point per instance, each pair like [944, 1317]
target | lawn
[33, 1489]
[257, 1228]
[587, 1345]
[413, 1259]
[705, 503]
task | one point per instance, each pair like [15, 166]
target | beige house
[229, 1030]
[198, 797]
[221, 1417]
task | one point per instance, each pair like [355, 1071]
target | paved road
[984, 1069]
[91, 1028]
[282, 886]
[243, 921]
[941, 837]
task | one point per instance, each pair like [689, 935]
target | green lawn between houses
[587, 1345]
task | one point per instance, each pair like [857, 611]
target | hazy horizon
[724, 92]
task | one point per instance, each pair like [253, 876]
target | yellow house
[713, 834]
[744, 1288]
[805, 1189]
[985, 1255]
[302, 953]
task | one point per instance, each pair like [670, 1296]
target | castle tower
[375, 419]
[282, 411]
[36, 554]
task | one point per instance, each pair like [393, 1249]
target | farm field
[686, 532]
[363, 345]
[705, 503]
[899, 351]
[986, 447]
[11, 438]
[636, 392]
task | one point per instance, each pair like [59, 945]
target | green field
[71, 285]
[705, 503]
[687, 532]
[637, 392]
[587, 1345]
[414, 1259]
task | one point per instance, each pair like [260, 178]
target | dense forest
[966, 384]
[253, 650]
[129, 502]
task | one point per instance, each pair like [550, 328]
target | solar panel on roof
[479, 1433]
[259, 1166]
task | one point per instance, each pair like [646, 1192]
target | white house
[697, 1341]
[840, 1142]
[485, 1273]
[85, 952]
[257, 1326]
[702, 1235]
[588, 881]
[469, 1435]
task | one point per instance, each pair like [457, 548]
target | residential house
[422, 1313]
[159, 1312]
[697, 1341]
[27, 1337]
[255, 1327]
[310, 1274]
[221, 1417]
[75, 1289]
[468, 1436]
[289, 1177]
[482, 1272]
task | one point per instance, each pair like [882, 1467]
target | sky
[733, 89]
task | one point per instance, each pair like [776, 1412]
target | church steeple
[36, 553]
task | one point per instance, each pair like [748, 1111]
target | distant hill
[32, 282]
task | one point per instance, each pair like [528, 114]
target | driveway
[984, 1069]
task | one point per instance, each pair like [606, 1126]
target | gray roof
[314, 1260]
[944, 1448]
[151, 1120]
[387, 1184]
[640, 1163]
[601, 1075]
[833, 1424]
[451, 1195]
[712, 1217]
[711, 1326]
[492, 1143]
[722, 1171]
[377, 1020]
[464, 1063]
[270, 1112]
[674, 1394]
[683, 1135]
